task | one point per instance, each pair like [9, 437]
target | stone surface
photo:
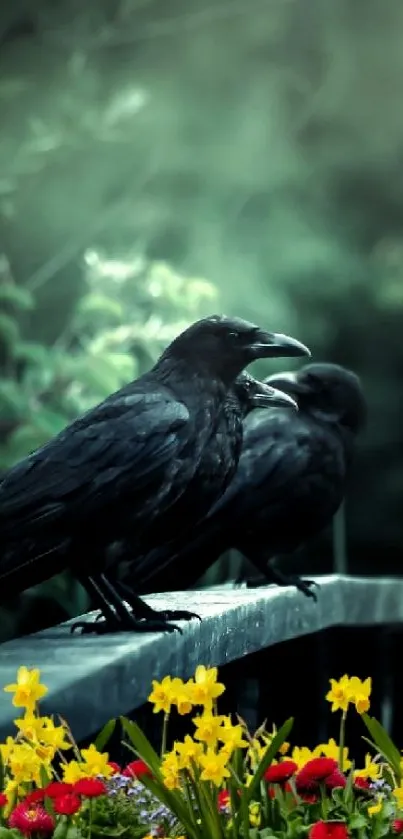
[94, 678]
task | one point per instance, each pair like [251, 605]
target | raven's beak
[270, 397]
[288, 383]
[276, 345]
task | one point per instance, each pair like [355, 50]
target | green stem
[342, 739]
[164, 734]
[90, 825]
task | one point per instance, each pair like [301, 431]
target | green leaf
[357, 821]
[142, 745]
[33, 352]
[98, 303]
[267, 758]
[384, 744]
[105, 735]
[9, 330]
[20, 297]
[12, 397]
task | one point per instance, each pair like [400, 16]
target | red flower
[136, 769]
[362, 783]
[309, 797]
[397, 826]
[58, 788]
[34, 796]
[223, 799]
[315, 772]
[67, 805]
[115, 766]
[279, 773]
[3, 799]
[31, 818]
[90, 787]
[328, 830]
[336, 779]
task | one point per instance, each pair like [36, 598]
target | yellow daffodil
[208, 728]
[170, 769]
[73, 771]
[214, 766]
[371, 770]
[24, 763]
[188, 751]
[206, 689]
[398, 793]
[181, 695]
[96, 763]
[339, 694]
[161, 695]
[27, 689]
[6, 749]
[374, 809]
[301, 754]
[332, 750]
[359, 693]
[232, 736]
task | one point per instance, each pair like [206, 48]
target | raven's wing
[273, 452]
[130, 449]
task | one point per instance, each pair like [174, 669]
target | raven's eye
[233, 335]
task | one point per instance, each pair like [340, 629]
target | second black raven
[291, 479]
[116, 471]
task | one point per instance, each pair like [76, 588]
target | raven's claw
[103, 627]
[280, 579]
[178, 615]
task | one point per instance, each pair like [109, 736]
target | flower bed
[220, 782]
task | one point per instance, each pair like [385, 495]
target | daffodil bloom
[188, 751]
[339, 693]
[208, 728]
[24, 763]
[6, 749]
[371, 770]
[161, 695]
[73, 771]
[214, 766]
[96, 763]
[332, 750]
[359, 693]
[170, 768]
[232, 736]
[398, 793]
[206, 689]
[181, 695]
[27, 689]
[301, 755]
[374, 809]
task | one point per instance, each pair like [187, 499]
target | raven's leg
[272, 574]
[117, 617]
[143, 610]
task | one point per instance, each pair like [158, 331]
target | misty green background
[160, 161]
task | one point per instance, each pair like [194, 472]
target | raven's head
[221, 346]
[327, 391]
[254, 394]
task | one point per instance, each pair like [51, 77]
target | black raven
[116, 470]
[290, 480]
[214, 474]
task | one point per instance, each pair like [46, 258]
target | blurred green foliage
[256, 144]
[131, 309]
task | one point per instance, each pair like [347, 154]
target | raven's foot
[104, 626]
[143, 610]
[280, 579]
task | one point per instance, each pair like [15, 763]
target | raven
[216, 470]
[115, 472]
[291, 479]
